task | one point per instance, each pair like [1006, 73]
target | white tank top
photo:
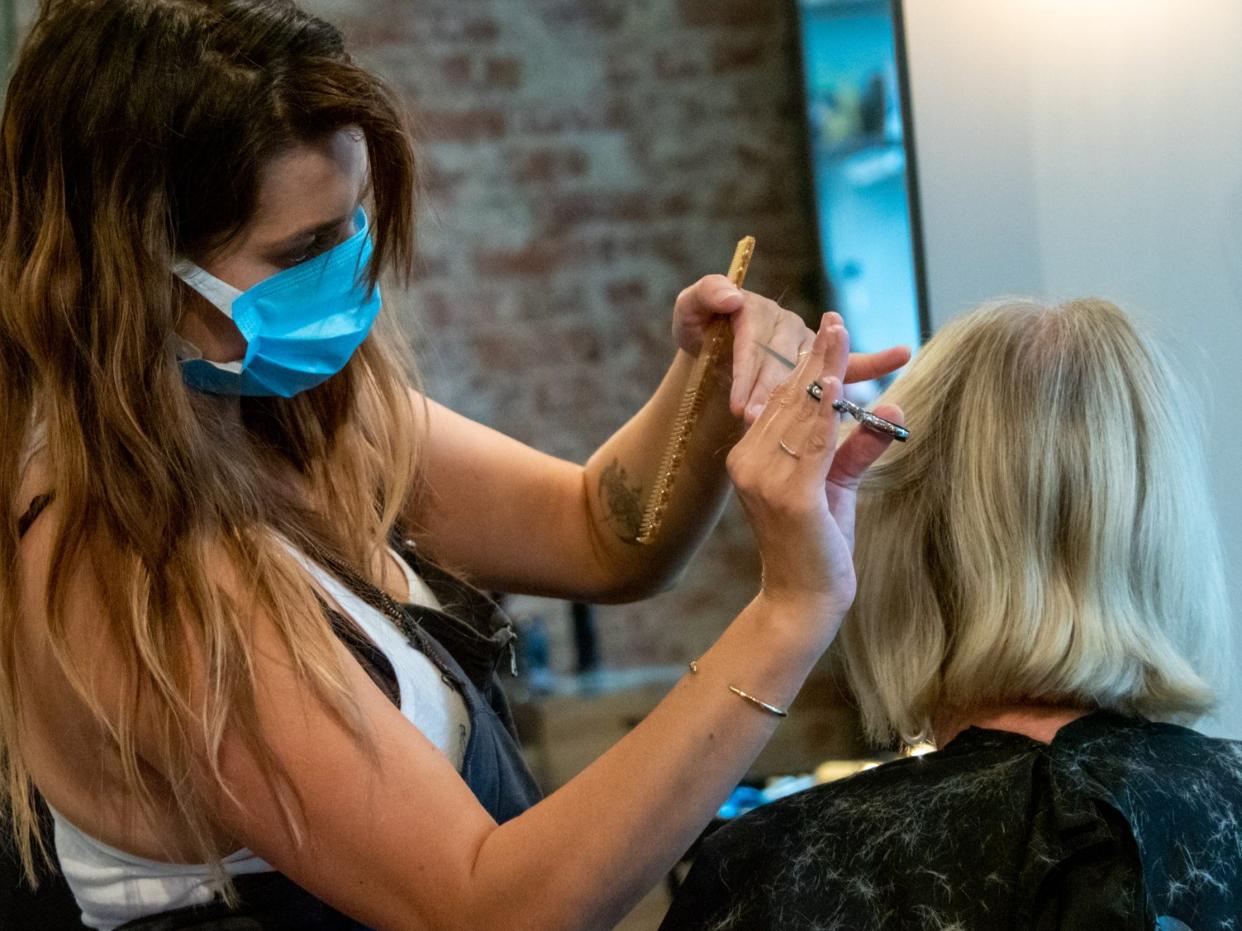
[113, 887]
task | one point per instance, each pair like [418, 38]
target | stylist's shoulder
[62, 571]
[73, 623]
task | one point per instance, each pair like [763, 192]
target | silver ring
[792, 452]
[816, 391]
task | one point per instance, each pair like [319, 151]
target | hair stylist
[232, 658]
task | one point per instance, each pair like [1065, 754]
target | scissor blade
[776, 355]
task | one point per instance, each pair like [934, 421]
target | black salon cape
[1117, 824]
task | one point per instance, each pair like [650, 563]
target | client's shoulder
[1161, 776]
[1180, 795]
[1108, 747]
[910, 803]
[868, 849]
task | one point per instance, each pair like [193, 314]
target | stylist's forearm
[584, 856]
[621, 474]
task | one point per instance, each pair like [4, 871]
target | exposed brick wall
[584, 161]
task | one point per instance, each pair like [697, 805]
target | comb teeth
[691, 406]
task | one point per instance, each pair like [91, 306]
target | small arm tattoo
[622, 503]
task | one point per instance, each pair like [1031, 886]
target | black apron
[466, 641]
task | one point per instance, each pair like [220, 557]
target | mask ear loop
[220, 294]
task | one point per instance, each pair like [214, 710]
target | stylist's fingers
[761, 329]
[837, 357]
[813, 430]
[817, 434]
[708, 297]
[861, 449]
[866, 366]
[789, 402]
[854, 457]
[701, 305]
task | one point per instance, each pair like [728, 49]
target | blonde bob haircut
[1045, 536]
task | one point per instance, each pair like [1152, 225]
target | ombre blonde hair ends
[135, 132]
[1045, 536]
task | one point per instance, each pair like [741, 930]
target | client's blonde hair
[1045, 536]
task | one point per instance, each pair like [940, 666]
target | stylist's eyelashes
[318, 246]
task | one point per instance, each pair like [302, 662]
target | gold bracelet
[757, 702]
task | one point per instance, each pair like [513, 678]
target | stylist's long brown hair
[134, 133]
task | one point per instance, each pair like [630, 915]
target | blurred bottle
[534, 654]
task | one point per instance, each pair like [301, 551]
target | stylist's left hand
[757, 320]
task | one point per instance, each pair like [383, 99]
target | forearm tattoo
[622, 502]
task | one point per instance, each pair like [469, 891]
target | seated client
[1041, 596]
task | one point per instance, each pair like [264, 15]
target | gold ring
[794, 453]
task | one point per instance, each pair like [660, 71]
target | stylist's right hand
[799, 490]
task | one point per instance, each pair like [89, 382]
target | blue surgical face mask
[301, 326]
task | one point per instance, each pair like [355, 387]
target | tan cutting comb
[714, 341]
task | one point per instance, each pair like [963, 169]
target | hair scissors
[869, 420]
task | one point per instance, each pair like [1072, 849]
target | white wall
[1094, 147]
